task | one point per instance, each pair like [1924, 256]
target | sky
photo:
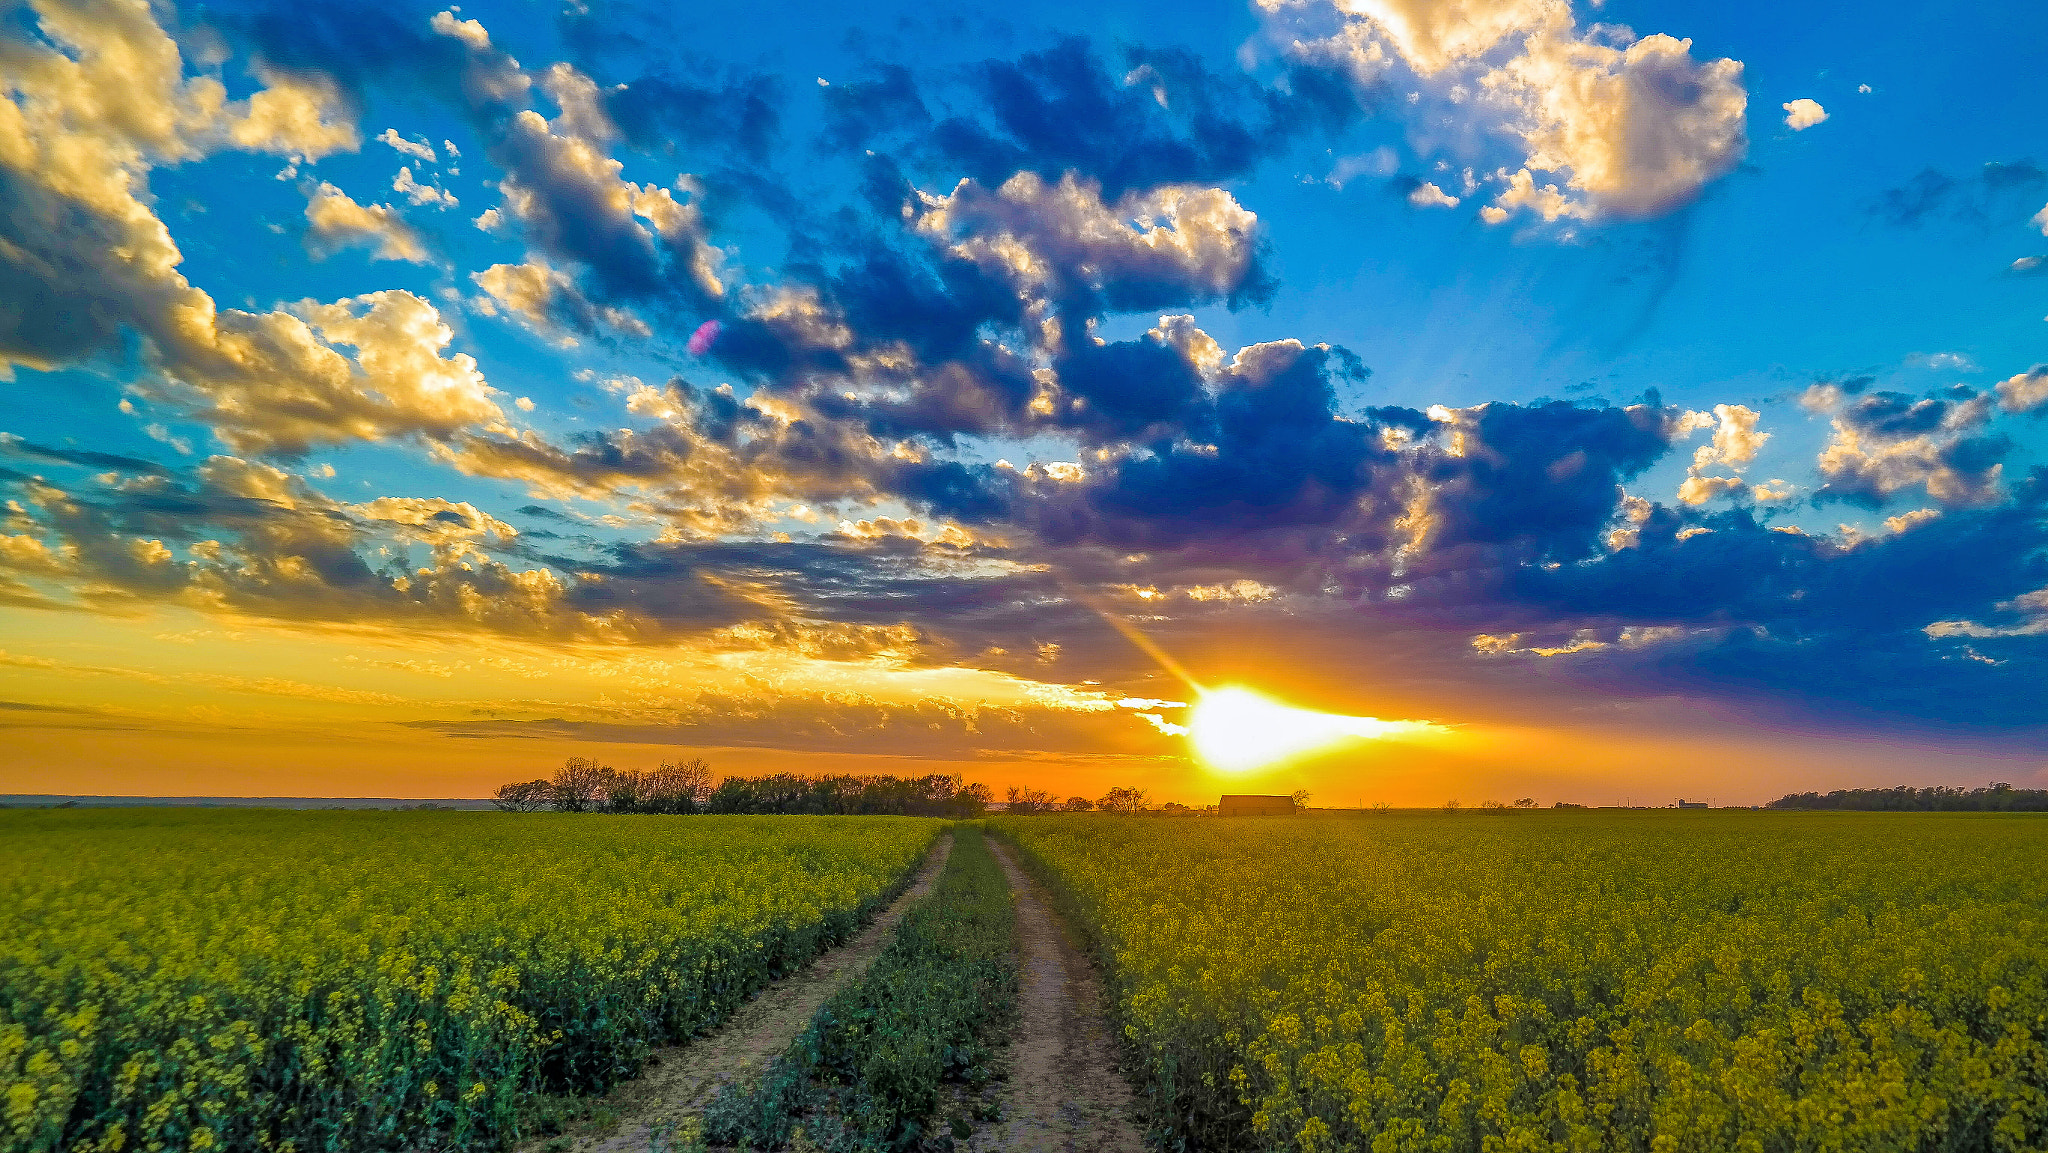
[1628, 401]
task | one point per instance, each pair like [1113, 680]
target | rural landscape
[1249, 576]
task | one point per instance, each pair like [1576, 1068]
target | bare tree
[677, 787]
[972, 800]
[624, 792]
[1079, 804]
[524, 796]
[1030, 800]
[579, 784]
[1123, 799]
[1300, 798]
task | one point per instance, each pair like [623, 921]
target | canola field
[1656, 982]
[194, 980]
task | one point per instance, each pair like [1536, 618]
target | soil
[1065, 1093]
[681, 1080]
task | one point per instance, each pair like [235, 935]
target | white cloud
[1735, 445]
[1944, 361]
[422, 150]
[1863, 88]
[1802, 114]
[87, 112]
[1381, 161]
[1049, 238]
[1884, 444]
[1428, 195]
[338, 222]
[303, 117]
[2041, 220]
[2024, 391]
[419, 193]
[1616, 125]
[548, 300]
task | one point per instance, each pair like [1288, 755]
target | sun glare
[1236, 729]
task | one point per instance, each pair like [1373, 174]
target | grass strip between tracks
[884, 1058]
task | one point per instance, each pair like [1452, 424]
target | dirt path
[1065, 1093]
[682, 1079]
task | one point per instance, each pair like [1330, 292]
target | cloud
[421, 150]
[1995, 194]
[1160, 117]
[1735, 444]
[551, 302]
[1428, 195]
[277, 382]
[1062, 248]
[1802, 114]
[421, 194]
[2025, 391]
[1888, 442]
[1786, 616]
[84, 260]
[1618, 126]
[663, 113]
[337, 222]
[254, 540]
[301, 116]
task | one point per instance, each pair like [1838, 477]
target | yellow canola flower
[203, 980]
[1575, 983]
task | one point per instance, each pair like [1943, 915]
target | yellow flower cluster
[302, 982]
[1655, 982]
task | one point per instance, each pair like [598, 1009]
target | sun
[1236, 729]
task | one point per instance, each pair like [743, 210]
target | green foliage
[869, 1072]
[264, 980]
[583, 785]
[1653, 982]
[1998, 797]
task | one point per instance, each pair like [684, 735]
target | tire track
[1065, 1093]
[682, 1079]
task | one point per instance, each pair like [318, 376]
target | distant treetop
[1998, 797]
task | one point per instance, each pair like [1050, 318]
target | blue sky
[1544, 358]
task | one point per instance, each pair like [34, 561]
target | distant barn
[1247, 806]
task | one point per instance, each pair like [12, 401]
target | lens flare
[1235, 729]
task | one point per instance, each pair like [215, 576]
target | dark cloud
[1161, 117]
[1996, 194]
[1885, 442]
[667, 114]
[82, 458]
[360, 43]
[1815, 619]
[860, 111]
[1548, 474]
[1120, 390]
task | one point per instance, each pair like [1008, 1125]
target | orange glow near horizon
[1235, 729]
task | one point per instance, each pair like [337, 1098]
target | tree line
[1998, 797]
[582, 785]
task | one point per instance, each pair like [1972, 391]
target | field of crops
[178, 979]
[1602, 981]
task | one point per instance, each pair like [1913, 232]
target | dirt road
[1065, 1093]
[684, 1078]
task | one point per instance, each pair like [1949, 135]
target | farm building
[1249, 806]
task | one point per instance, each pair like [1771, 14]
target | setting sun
[1235, 729]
